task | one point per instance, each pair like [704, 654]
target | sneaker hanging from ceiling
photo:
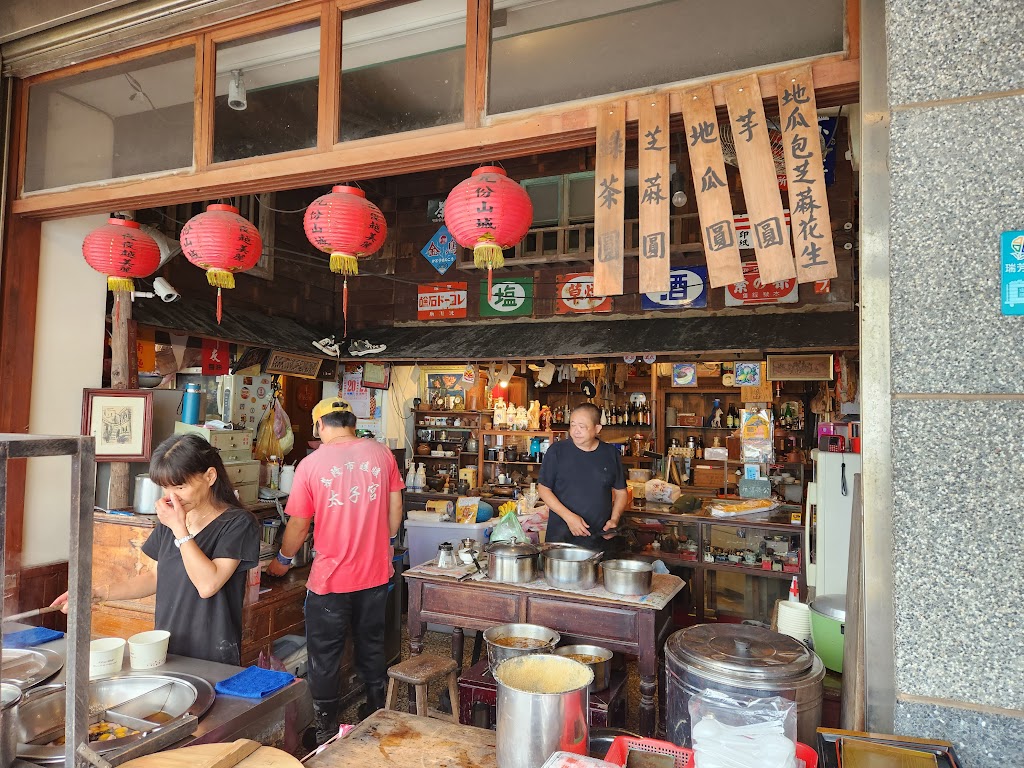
[360, 347]
[328, 346]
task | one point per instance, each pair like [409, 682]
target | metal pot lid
[833, 606]
[752, 652]
[512, 549]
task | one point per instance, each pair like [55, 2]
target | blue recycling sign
[1011, 272]
[441, 250]
[687, 289]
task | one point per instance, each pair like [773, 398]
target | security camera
[236, 91]
[165, 290]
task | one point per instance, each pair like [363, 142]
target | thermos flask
[190, 404]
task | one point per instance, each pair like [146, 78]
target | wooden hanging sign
[654, 172]
[714, 206]
[609, 207]
[760, 183]
[805, 176]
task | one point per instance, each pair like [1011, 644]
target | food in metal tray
[525, 643]
[583, 658]
[102, 731]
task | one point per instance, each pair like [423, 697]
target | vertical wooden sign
[760, 182]
[609, 208]
[714, 206]
[805, 176]
[654, 171]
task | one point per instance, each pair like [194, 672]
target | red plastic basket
[807, 754]
[620, 748]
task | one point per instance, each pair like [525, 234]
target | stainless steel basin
[125, 699]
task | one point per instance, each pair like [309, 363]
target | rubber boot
[375, 698]
[325, 723]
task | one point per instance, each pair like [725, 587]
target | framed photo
[376, 375]
[747, 374]
[439, 382]
[800, 368]
[121, 420]
[684, 375]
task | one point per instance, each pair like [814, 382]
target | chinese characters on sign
[760, 185]
[687, 289]
[576, 294]
[609, 208]
[215, 357]
[509, 297]
[654, 173]
[744, 237]
[441, 250]
[1011, 272]
[805, 175]
[751, 290]
[704, 146]
[441, 301]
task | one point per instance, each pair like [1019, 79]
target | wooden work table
[401, 740]
[633, 628]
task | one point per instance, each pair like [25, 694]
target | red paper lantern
[346, 225]
[488, 212]
[120, 250]
[221, 242]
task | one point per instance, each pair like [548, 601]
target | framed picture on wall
[800, 368]
[121, 420]
[442, 387]
[376, 375]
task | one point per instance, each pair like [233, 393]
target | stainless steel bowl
[570, 567]
[10, 698]
[499, 653]
[602, 669]
[628, 577]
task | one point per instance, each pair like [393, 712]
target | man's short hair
[338, 419]
[589, 408]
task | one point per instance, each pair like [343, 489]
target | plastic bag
[283, 429]
[267, 444]
[661, 492]
[508, 528]
[742, 731]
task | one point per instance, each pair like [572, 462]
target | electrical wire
[278, 210]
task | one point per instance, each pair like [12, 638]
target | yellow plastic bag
[267, 444]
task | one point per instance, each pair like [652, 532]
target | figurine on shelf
[715, 420]
[533, 415]
[545, 418]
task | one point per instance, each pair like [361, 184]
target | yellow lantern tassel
[487, 253]
[344, 263]
[220, 278]
[120, 283]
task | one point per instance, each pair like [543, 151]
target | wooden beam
[329, 89]
[123, 364]
[205, 100]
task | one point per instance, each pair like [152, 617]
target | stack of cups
[795, 620]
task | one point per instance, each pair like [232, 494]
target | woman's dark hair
[339, 419]
[179, 458]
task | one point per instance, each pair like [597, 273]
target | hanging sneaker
[360, 347]
[328, 346]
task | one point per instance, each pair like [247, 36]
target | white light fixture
[677, 186]
[236, 91]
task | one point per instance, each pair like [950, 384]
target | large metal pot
[742, 660]
[543, 704]
[10, 698]
[570, 567]
[628, 577]
[512, 562]
[498, 653]
[602, 668]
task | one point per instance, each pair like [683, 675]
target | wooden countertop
[150, 521]
[777, 519]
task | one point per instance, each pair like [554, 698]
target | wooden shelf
[453, 414]
[706, 429]
[522, 432]
[441, 427]
[751, 571]
[498, 461]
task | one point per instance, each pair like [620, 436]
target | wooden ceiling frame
[478, 137]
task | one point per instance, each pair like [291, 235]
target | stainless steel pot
[533, 725]
[602, 669]
[147, 493]
[10, 698]
[499, 653]
[512, 562]
[743, 660]
[570, 567]
[628, 577]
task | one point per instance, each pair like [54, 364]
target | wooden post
[653, 146]
[123, 369]
[768, 228]
[609, 208]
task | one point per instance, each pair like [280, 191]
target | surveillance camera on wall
[236, 91]
[165, 290]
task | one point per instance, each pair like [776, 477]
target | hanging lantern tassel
[487, 253]
[116, 284]
[344, 264]
[344, 309]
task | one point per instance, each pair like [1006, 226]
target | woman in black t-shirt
[203, 546]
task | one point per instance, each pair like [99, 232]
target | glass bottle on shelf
[733, 417]
[604, 416]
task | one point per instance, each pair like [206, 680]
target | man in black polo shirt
[582, 482]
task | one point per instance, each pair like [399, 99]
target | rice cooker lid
[743, 650]
[833, 606]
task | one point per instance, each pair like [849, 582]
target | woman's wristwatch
[284, 560]
[183, 539]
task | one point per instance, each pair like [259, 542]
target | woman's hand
[172, 514]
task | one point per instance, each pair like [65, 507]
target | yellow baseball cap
[325, 406]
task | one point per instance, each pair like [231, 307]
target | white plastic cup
[148, 649]
[106, 655]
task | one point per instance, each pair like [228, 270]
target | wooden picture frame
[444, 381]
[800, 367]
[376, 375]
[121, 421]
[288, 364]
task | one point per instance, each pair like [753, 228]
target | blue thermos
[190, 404]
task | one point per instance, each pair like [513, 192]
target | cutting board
[243, 753]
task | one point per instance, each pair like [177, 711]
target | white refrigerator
[830, 512]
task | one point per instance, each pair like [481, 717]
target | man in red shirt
[352, 488]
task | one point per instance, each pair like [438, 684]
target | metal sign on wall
[752, 291]
[441, 250]
[509, 297]
[576, 294]
[688, 289]
[441, 301]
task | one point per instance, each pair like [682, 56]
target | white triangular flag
[178, 344]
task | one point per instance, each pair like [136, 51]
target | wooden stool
[419, 671]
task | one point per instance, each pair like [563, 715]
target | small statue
[716, 414]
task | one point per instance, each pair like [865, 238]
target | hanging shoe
[328, 346]
[360, 347]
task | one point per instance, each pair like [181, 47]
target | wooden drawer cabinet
[221, 439]
[242, 472]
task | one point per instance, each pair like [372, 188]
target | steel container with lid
[511, 562]
[737, 659]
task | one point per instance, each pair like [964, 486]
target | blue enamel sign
[1011, 272]
[441, 250]
[688, 289]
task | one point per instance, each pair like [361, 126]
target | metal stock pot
[511, 562]
[570, 567]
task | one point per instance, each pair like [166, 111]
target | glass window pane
[267, 93]
[546, 196]
[132, 118]
[581, 197]
[551, 52]
[402, 68]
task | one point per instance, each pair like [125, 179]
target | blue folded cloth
[27, 638]
[254, 683]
